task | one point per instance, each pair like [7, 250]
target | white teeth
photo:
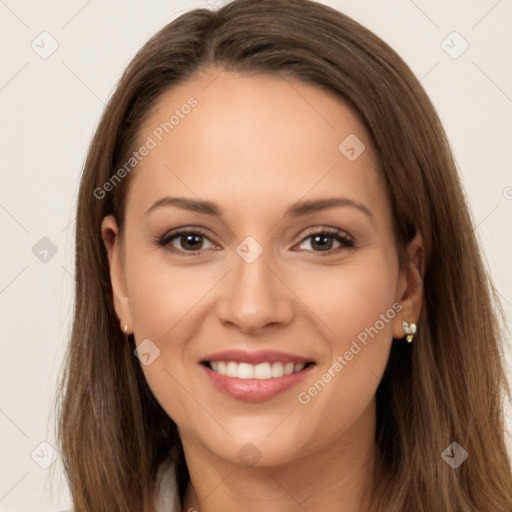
[245, 371]
[277, 370]
[261, 371]
[298, 367]
[288, 368]
[231, 369]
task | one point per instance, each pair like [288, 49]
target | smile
[260, 371]
[255, 376]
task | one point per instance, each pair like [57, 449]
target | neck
[338, 476]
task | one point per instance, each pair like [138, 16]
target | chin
[254, 447]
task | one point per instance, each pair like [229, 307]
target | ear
[110, 235]
[409, 292]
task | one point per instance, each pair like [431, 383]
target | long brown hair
[448, 386]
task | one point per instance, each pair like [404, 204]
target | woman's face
[261, 289]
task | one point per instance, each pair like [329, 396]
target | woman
[280, 301]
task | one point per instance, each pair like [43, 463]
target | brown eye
[187, 240]
[322, 241]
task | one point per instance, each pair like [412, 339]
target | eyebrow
[299, 209]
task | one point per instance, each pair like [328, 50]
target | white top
[168, 499]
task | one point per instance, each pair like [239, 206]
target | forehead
[256, 138]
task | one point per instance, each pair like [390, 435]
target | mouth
[255, 376]
[261, 371]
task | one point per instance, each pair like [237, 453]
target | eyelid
[324, 229]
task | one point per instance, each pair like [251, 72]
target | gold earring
[409, 330]
[125, 328]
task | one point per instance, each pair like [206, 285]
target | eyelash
[337, 234]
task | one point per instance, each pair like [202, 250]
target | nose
[254, 297]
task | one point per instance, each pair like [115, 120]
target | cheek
[352, 298]
[359, 309]
[370, 293]
[165, 301]
[163, 294]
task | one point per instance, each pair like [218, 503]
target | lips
[255, 376]
[260, 356]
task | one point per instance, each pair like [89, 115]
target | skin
[254, 145]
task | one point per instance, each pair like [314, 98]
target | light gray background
[50, 107]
